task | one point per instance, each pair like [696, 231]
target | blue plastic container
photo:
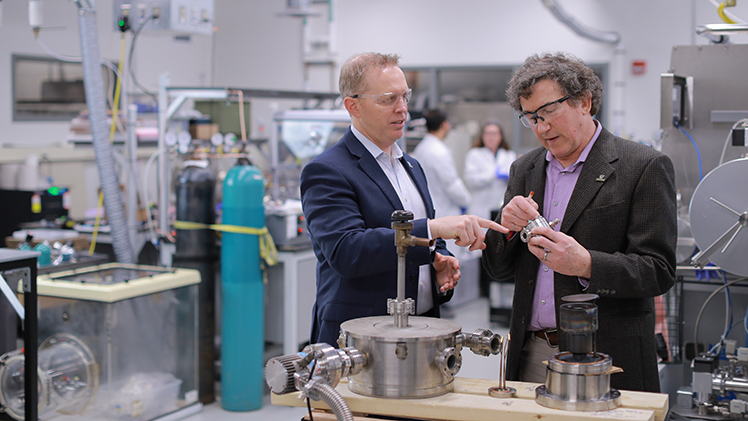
[45, 258]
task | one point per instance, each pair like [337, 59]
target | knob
[279, 373]
[402, 215]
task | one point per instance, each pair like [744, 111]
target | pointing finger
[486, 223]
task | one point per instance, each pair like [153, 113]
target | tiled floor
[471, 316]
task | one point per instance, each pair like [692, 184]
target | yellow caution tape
[268, 251]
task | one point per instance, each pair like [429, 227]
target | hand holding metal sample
[539, 221]
[518, 213]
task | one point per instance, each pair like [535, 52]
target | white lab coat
[486, 188]
[448, 192]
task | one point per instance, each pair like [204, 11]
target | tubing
[607, 37]
[94, 86]
[335, 401]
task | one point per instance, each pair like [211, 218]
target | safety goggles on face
[530, 119]
[389, 99]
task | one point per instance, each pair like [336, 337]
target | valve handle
[402, 215]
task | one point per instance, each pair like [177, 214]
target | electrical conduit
[335, 401]
[94, 86]
[607, 37]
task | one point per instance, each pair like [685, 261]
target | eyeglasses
[543, 113]
[389, 99]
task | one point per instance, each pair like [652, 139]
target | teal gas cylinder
[243, 333]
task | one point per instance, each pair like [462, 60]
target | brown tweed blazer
[623, 210]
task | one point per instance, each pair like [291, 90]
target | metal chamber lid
[383, 328]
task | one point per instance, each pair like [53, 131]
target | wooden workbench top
[470, 402]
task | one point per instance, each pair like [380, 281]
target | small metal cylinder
[578, 386]
[579, 322]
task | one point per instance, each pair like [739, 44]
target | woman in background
[487, 169]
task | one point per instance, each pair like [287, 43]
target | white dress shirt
[411, 201]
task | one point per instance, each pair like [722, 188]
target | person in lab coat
[448, 192]
[487, 169]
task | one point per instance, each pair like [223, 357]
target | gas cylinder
[243, 334]
[197, 249]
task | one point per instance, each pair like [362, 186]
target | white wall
[254, 47]
[187, 62]
[257, 48]
[501, 32]
[261, 49]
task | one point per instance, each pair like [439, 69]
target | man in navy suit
[348, 195]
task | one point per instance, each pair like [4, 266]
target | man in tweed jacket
[617, 233]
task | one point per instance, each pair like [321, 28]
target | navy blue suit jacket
[348, 203]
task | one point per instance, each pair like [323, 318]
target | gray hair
[354, 70]
[575, 78]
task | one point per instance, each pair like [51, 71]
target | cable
[745, 327]
[719, 344]
[728, 14]
[71, 59]
[721, 12]
[698, 153]
[308, 401]
[728, 311]
[701, 311]
[129, 59]
[118, 88]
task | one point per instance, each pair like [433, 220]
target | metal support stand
[401, 307]
[18, 265]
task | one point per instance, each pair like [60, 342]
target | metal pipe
[163, 158]
[732, 385]
[132, 190]
[400, 275]
[722, 28]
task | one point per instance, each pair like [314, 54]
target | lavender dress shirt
[559, 185]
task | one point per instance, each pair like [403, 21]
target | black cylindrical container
[197, 249]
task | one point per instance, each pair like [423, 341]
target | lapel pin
[410, 165]
[600, 177]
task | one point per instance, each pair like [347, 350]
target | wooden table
[470, 402]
